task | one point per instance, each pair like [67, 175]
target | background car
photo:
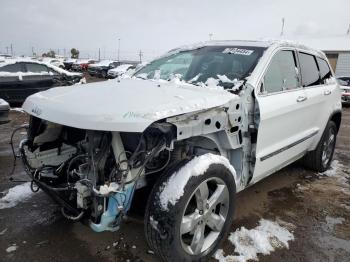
[21, 78]
[82, 65]
[4, 111]
[53, 61]
[344, 83]
[101, 68]
[68, 63]
[120, 70]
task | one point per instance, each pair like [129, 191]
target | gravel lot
[318, 207]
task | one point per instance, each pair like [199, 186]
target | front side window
[281, 74]
[309, 71]
[325, 71]
[12, 68]
[223, 63]
[36, 68]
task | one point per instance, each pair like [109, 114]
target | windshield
[227, 64]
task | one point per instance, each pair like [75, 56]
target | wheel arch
[336, 118]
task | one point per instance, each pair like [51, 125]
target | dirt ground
[295, 195]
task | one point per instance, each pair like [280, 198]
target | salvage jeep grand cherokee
[197, 126]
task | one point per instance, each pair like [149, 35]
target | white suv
[195, 127]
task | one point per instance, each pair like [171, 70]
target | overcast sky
[155, 26]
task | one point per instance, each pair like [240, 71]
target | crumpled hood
[129, 105]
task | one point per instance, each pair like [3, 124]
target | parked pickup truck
[194, 127]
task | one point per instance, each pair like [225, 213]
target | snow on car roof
[104, 63]
[15, 60]
[121, 68]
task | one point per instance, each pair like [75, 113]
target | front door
[283, 131]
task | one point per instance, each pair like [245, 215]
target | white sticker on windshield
[238, 51]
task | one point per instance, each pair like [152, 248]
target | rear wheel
[192, 227]
[320, 159]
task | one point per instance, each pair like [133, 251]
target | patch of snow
[332, 171]
[174, 187]
[263, 239]
[331, 222]
[347, 207]
[16, 195]
[11, 248]
[17, 109]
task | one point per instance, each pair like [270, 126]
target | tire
[104, 74]
[320, 159]
[163, 223]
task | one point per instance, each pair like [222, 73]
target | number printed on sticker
[238, 51]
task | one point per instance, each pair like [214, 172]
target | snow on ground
[16, 195]
[173, 189]
[11, 248]
[17, 109]
[263, 239]
[331, 222]
[339, 172]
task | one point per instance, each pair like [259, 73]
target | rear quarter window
[325, 71]
[13, 68]
[36, 68]
[309, 71]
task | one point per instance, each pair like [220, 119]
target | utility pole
[33, 51]
[210, 36]
[348, 32]
[140, 55]
[118, 49]
[282, 30]
[99, 54]
[11, 47]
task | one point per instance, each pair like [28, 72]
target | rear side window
[309, 70]
[13, 68]
[325, 71]
[36, 68]
[281, 74]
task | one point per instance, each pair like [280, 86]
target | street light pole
[118, 49]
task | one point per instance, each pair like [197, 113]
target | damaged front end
[94, 174]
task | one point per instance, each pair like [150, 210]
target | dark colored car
[101, 68]
[82, 65]
[4, 112]
[20, 79]
[68, 63]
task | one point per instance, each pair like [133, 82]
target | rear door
[283, 132]
[37, 78]
[315, 73]
[11, 82]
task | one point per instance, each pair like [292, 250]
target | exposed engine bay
[94, 174]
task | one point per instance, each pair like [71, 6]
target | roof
[325, 43]
[265, 43]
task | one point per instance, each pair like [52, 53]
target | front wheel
[188, 215]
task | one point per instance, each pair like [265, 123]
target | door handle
[327, 92]
[301, 98]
